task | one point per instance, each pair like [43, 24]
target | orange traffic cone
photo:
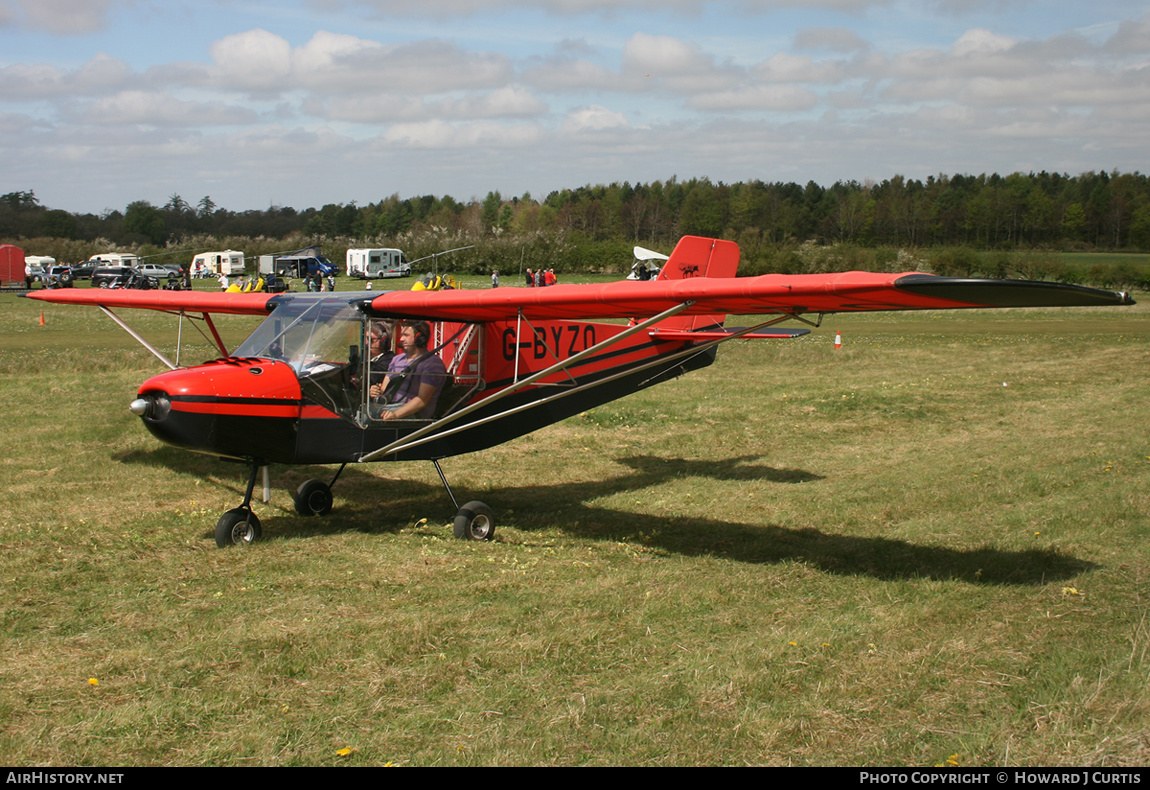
[42, 319]
[838, 340]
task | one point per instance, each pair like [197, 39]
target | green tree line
[967, 221]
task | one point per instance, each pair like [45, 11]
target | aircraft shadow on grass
[542, 505]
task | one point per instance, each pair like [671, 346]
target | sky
[300, 103]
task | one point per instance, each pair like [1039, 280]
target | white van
[213, 264]
[377, 263]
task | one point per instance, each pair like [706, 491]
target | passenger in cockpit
[414, 378]
[379, 351]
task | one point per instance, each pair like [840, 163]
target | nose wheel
[237, 527]
[240, 526]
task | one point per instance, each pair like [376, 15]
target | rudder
[696, 256]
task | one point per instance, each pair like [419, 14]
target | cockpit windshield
[305, 332]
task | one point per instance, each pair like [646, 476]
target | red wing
[167, 301]
[770, 293]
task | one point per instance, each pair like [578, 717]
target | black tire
[474, 521]
[313, 498]
[237, 527]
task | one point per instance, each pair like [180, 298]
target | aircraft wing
[769, 293]
[166, 301]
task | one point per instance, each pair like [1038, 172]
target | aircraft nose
[154, 406]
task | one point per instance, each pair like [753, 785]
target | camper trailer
[117, 259]
[213, 264]
[374, 264]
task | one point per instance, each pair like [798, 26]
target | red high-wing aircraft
[299, 389]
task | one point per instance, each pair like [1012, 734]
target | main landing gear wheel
[474, 521]
[238, 526]
[313, 498]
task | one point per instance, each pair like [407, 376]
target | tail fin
[695, 256]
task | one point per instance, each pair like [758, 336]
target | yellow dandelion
[344, 752]
[93, 682]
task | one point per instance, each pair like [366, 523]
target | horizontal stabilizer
[718, 333]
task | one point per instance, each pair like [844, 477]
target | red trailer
[12, 267]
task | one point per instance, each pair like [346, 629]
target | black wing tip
[1010, 293]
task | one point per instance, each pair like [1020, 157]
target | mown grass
[931, 543]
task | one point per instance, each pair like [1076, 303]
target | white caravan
[212, 264]
[122, 259]
[377, 263]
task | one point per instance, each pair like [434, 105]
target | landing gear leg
[473, 521]
[239, 526]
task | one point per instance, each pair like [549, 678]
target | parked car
[122, 277]
[58, 277]
[48, 276]
[157, 271]
[83, 270]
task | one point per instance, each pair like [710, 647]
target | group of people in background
[540, 278]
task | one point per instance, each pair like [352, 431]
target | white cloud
[678, 66]
[663, 56]
[65, 17]
[440, 134]
[254, 61]
[161, 109]
[595, 118]
[510, 102]
[783, 67]
[764, 98]
[335, 63]
[1132, 38]
[979, 42]
[102, 74]
[464, 8]
[567, 74]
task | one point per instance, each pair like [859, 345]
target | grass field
[928, 547]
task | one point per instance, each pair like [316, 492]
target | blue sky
[307, 102]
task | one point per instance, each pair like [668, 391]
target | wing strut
[420, 437]
[139, 338]
[560, 366]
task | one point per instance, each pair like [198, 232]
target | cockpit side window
[427, 376]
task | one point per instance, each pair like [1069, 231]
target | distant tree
[176, 204]
[60, 224]
[491, 205]
[144, 219]
[20, 201]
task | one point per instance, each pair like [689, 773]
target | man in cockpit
[414, 378]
